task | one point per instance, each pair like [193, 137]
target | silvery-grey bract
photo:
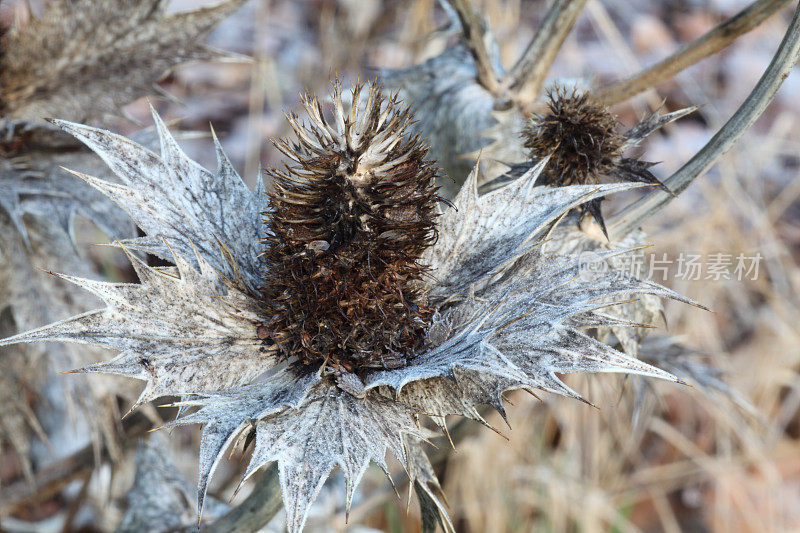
[506, 314]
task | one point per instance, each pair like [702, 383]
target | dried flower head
[83, 58]
[578, 134]
[348, 222]
[503, 314]
[581, 139]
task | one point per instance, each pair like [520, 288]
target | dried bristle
[578, 134]
[350, 217]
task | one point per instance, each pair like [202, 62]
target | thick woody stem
[256, 510]
[474, 32]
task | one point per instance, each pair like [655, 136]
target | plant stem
[474, 33]
[754, 105]
[527, 76]
[713, 41]
[256, 510]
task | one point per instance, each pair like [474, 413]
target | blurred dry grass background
[696, 465]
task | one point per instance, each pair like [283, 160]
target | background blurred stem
[527, 76]
[710, 43]
[256, 510]
[474, 30]
[754, 105]
[49, 481]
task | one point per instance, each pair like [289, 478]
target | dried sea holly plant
[324, 320]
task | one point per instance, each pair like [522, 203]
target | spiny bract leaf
[171, 197]
[84, 58]
[308, 426]
[483, 233]
[647, 309]
[519, 335]
[174, 329]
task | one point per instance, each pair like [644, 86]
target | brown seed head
[350, 217]
[579, 136]
[581, 139]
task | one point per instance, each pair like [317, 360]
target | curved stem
[754, 105]
[256, 510]
[713, 41]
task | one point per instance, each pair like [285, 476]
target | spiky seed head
[581, 138]
[578, 134]
[349, 219]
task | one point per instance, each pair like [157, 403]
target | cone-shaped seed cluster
[350, 217]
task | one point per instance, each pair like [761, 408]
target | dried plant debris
[18, 377]
[694, 368]
[161, 499]
[202, 329]
[84, 58]
[32, 296]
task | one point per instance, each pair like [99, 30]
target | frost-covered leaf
[84, 58]
[183, 330]
[569, 239]
[331, 428]
[171, 197]
[519, 335]
[482, 233]
[309, 427]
